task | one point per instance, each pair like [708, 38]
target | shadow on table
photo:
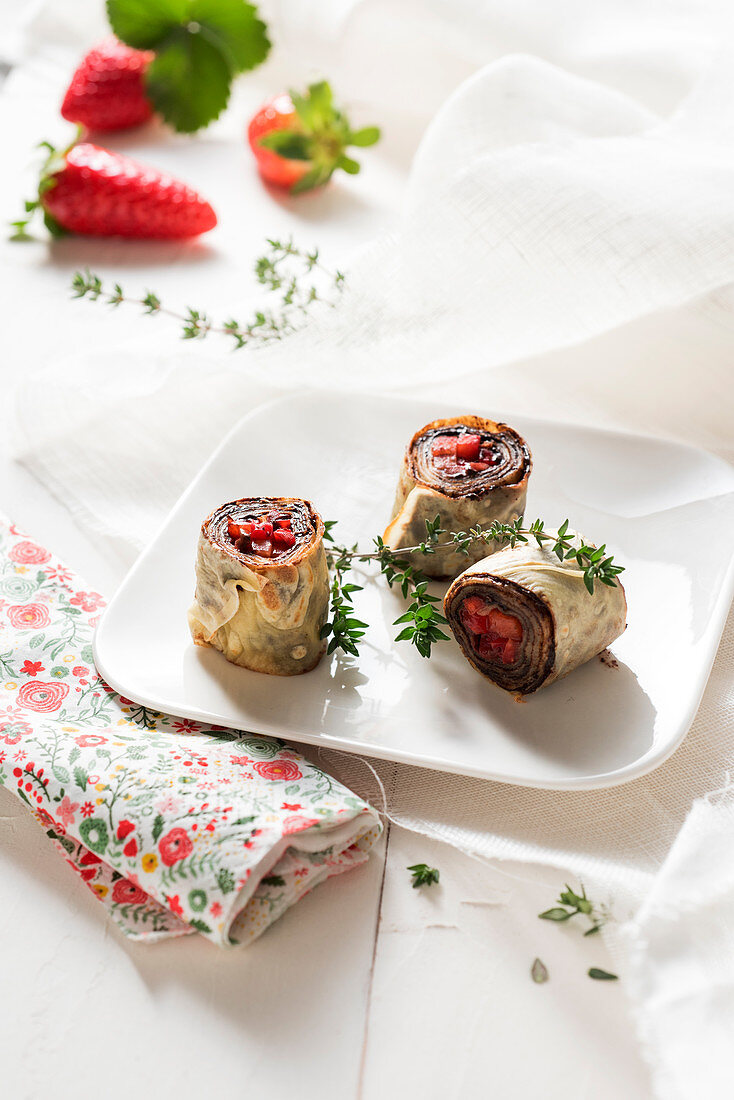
[323, 204]
[79, 252]
[323, 943]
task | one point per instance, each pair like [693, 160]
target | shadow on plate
[595, 720]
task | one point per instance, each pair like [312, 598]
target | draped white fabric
[565, 246]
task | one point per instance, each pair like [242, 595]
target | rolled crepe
[262, 586]
[524, 619]
[468, 471]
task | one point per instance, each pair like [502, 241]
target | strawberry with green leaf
[300, 140]
[199, 46]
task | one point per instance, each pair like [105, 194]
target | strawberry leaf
[313, 178]
[316, 108]
[200, 46]
[367, 136]
[188, 82]
[287, 143]
[348, 165]
[144, 24]
[235, 27]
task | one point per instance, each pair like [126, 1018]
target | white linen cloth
[566, 247]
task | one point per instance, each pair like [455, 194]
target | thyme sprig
[343, 629]
[296, 276]
[571, 904]
[590, 559]
[421, 622]
[422, 618]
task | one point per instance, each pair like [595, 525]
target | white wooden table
[367, 988]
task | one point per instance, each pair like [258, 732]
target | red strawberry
[299, 140]
[88, 190]
[107, 91]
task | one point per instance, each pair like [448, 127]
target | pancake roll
[524, 619]
[467, 470]
[262, 587]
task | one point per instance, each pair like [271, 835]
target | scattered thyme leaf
[539, 972]
[556, 915]
[572, 904]
[602, 975]
[423, 875]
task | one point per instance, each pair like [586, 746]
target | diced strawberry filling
[495, 635]
[265, 536]
[263, 547]
[468, 446]
[457, 455]
[444, 445]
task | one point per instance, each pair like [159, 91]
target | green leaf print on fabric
[94, 833]
[225, 881]
[169, 822]
[197, 900]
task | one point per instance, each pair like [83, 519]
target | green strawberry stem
[321, 137]
[54, 163]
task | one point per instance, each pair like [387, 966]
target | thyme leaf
[572, 904]
[602, 975]
[423, 875]
[539, 971]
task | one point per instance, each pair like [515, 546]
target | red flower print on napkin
[90, 740]
[278, 769]
[44, 698]
[296, 823]
[174, 904]
[27, 553]
[31, 668]
[88, 601]
[175, 845]
[127, 893]
[29, 616]
[66, 810]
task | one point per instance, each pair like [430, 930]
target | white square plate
[598, 727]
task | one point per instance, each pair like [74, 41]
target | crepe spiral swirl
[468, 470]
[262, 587]
[510, 458]
[524, 619]
[305, 523]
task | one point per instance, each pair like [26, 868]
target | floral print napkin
[177, 828]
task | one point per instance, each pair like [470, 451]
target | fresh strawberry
[107, 91]
[88, 190]
[300, 140]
